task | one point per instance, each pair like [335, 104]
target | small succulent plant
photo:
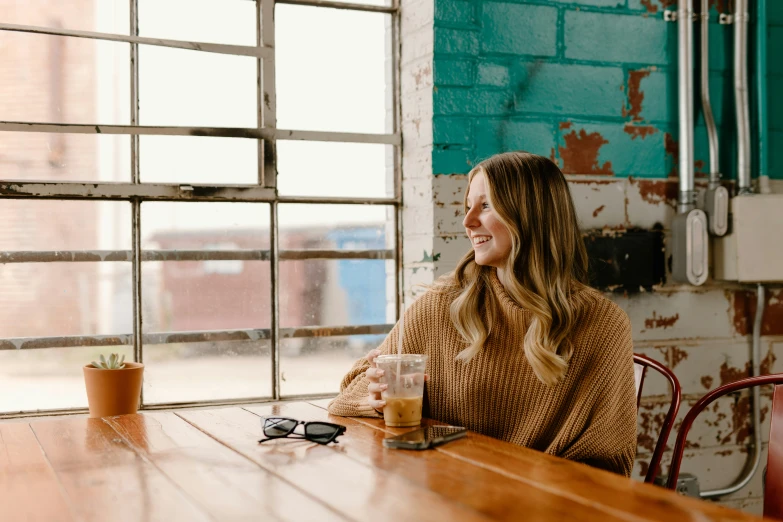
[114, 363]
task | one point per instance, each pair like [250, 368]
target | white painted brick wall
[416, 81]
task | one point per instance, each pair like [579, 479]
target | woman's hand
[375, 388]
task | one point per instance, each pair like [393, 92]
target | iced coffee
[404, 377]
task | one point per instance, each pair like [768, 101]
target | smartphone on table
[424, 438]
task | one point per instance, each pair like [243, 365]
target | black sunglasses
[320, 432]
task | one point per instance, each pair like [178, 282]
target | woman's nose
[470, 219]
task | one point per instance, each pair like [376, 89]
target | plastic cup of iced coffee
[404, 377]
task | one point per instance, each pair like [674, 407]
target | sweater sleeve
[609, 441]
[352, 399]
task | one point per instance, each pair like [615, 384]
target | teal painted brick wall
[589, 83]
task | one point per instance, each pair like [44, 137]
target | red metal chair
[773, 487]
[642, 363]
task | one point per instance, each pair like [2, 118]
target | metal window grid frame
[136, 192]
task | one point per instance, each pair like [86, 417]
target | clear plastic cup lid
[411, 357]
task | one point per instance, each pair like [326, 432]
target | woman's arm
[609, 442]
[353, 400]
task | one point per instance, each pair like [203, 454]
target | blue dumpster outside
[363, 281]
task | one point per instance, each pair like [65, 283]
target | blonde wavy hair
[547, 266]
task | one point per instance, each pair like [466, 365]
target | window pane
[185, 372]
[58, 79]
[314, 219]
[182, 296]
[180, 87]
[338, 80]
[105, 16]
[219, 225]
[205, 295]
[316, 365]
[334, 292]
[48, 378]
[321, 292]
[314, 168]
[63, 225]
[191, 159]
[64, 299]
[44, 298]
[215, 21]
[49, 156]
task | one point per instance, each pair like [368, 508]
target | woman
[519, 347]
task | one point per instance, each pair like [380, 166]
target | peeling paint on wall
[730, 374]
[652, 8]
[660, 322]
[657, 191]
[580, 154]
[744, 312]
[721, 5]
[649, 426]
[698, 167]
[740, 426]
[635, 95]
[676, 356]
[421, 74]
[672, 148]
[641, 131]
[765, 367]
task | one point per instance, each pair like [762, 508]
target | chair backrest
[641, 364]
[773, 488]
[775, 459]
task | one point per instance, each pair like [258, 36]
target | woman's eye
[485, 206]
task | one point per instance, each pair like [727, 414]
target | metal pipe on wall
[690, 248]
[716, 200]
[709, 120]
[754, 456]
[741, 104]
[687, 196]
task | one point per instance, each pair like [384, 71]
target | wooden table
[206, 464]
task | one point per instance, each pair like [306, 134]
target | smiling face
[489, 236]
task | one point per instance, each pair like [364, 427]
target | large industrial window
[210, 187]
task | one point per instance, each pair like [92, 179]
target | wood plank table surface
[206, 464]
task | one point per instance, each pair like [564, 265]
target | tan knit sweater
[589, 417]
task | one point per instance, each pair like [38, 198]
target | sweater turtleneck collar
[506, 301]
[510, 305]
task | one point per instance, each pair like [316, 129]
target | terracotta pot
[113, 392]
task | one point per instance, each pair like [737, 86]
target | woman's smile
[480, 240]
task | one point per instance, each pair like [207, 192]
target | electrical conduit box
[690, 247]
[753, 250]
